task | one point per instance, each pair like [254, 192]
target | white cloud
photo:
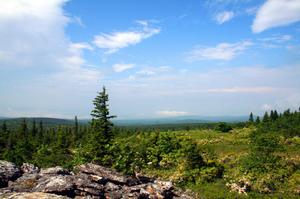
[223, 51]
[266, 107]
[275, 13]
[39, 59]
[122, 67]
[223, 17]
[113, 42]
[278, 38]
[169, 113]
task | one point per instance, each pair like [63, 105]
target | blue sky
[156, 58]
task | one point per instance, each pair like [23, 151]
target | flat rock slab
[103, 172]
[55, 171]
[33, 195]
[60, 184]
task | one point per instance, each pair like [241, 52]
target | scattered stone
[29, 168]
[242, 187]
[8, 172]
[111, 187]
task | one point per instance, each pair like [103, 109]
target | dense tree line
[286, 123]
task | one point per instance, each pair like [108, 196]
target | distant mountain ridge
[181, 120]
[127, 122]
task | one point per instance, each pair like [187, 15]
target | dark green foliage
[223, 127]
[101, 134]
[251, 119]
[257, 121]
[266, 117]
[262, 156]
[286, 123]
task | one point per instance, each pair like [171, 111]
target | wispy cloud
[223, 51]
[276, 13]
[171, 113]
[223, 17]
[122, 67]
[149, 71]
[276, 41]
[112, 42]
[241, 90]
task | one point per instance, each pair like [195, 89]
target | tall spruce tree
[76, 127]
[251, 119]
[257, 121]
[101, 130]
[266, 117]
[4, 127]
[101, 117]
[33, 129]
[275, 115]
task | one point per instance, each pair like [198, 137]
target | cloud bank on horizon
[213, 57]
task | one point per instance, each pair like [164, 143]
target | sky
[156, 58]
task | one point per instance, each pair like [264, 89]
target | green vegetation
[262, 154]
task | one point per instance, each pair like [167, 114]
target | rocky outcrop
[8, 172]
[88, 181]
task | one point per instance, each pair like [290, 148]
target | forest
[258, 158]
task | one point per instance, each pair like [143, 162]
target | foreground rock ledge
[88, 181]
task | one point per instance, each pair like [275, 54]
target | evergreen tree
[41, 132]
[272, 115]
[251, 120]
[76, 125]
[101, 133]
[101, 118]
[24, 130]
[76, 129]
[257, 121]
[4, 127]
[275, 116]
[34, 129]
[23, 148]
[266, 117]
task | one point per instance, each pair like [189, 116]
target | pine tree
[251, 120]
[101, 133]
[41, 132]
[101, 118]
[257, 121]
[272, 115]
[4, 127]
[76, 136]
[266, 117]
[34, 129]
[275, 115]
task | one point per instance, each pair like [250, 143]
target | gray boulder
[58, 184]
[8, 172]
